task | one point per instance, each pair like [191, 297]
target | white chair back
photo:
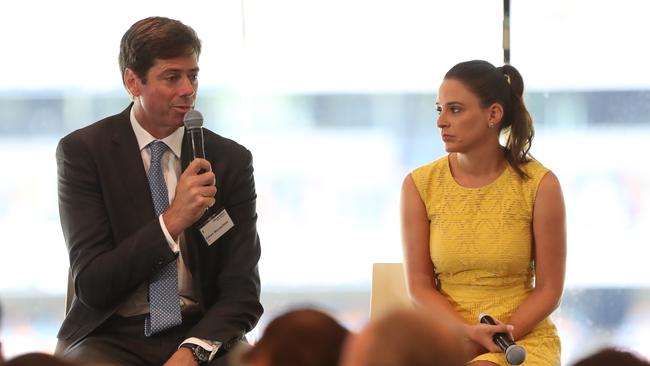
[388, 289]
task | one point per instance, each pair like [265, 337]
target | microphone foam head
[515, 355]
[193, 119]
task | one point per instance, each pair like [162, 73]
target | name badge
[217, 225]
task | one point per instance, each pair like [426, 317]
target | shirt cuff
[211, 346]
[173, 245]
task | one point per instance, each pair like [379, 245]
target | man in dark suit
[124, 240]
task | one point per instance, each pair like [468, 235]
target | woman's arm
[549, 245]
[420, 280]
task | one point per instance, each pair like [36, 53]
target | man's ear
[495, 114]
[132, 82]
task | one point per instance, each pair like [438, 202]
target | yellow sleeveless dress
[481, 246]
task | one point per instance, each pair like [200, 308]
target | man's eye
[172, 78]
[455, 109]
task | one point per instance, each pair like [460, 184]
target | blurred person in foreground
[613, 356]
[483, 228]
[39, 359]
[405, 337]
[154, 283]
[301, 337]
[2, 359]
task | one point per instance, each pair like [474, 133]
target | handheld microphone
[515, 355]
[193, 121]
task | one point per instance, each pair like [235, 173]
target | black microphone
[515, 355]
[193, 121]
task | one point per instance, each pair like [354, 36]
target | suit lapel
[128, 165]
[196, 249]
[193, 246]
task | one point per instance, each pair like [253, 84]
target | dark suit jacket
[115, 241]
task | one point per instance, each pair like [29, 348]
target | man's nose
[187, 87]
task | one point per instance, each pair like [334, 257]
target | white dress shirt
[137, 303]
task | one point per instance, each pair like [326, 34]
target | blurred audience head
[37, 359]
[405, 337]
[302, 337]
[1, 354]
[613, 356]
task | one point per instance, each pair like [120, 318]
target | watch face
[202, 354]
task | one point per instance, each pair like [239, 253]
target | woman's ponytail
[503, 85]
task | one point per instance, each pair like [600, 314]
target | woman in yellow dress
[483, 228]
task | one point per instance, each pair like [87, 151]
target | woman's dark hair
[613, 356]
[503, 85]
[155, 38]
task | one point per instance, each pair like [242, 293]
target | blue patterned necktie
[164, 303]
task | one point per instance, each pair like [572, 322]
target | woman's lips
[447, 138]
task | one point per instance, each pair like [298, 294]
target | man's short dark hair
[155, 38]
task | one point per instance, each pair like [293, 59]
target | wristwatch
[201, 355]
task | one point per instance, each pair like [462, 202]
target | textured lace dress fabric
[481, 246]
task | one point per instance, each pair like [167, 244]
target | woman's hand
[481, 335]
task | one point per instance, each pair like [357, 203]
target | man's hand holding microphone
[196, 186]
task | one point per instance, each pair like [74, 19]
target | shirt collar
[173, 141]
